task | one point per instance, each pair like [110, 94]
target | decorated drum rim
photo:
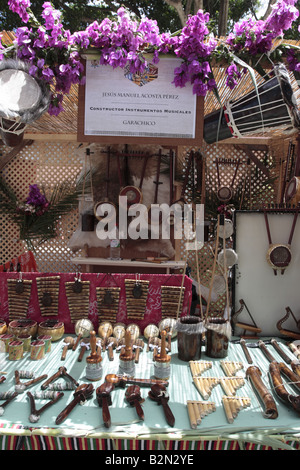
[15, 342]
[38, 342]
[278, 264]
[227, 198]
[138, 194]
[291, 189]
[56, 325]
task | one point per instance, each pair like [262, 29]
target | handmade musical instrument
[287, 398]
[81, 394]
[105, 330]
[119, 331]
[84, 345]
[285, 332]
[270, 409]
[83, 329]
[35, 414]
[198, 367]
[246, 327]
[242, 342]
[138, 347]
[99, 206]
[7, 401]
[21, 386]
[111, 345]
[162, 360]
[279, 255]
[134, 398]
[62, 372]
[23, 99]
[205, 385]
[127, 356]
[280, 351]
[225, 193]
[93, 361]
[293, 377]
[231, 384]
[197, 410]
[169, 326]
[3, 327]
[103, 394]
[133, 194]
[159, 394]
[122, 380]
[23, 326]
[134, 331]
[231, 367]
[69, 342]
[233, 405]
[150, 331]
[54, 328]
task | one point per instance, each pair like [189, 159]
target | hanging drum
[23, 99]
[273, 105]
[100, 207]
[292, 193]
[225, 193]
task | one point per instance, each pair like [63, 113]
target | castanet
[81, 394]
[134, 398]
[159, 394]
[103, 394]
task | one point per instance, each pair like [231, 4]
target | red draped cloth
[152, 313]
[25, 260]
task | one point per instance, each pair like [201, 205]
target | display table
[84, 429]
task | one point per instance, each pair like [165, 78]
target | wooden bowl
[22, 327]
[53, 328]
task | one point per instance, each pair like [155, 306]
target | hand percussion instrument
[83, 329]
[23, 99]
[225, 193]
[168, 325]
[54, 328]
[36, 414]
[21, 386]
[81, 394]
[162, 360]
[7, 401]
[122, 380]
[292, 192]
[226, 230]
[105, 330]
[69, 342]
[159, 394]
[93, 367]
[103, 394]
[151, 331]
[23, 327]
[119, 331]
[134, 331]
[3, 327]
[133, 396]
[62, 372]
[127, 357]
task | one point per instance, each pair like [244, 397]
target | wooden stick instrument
[84, 345]
[62, 372]
[242, 342]
[159, 394]
[81, 394]
[69, 342]
[270, 409]
[103, 394]
[133, 396]
[139, 346]
[21, 386]
[35, 414]
[8, 399]
[290, 400]
[197, 410]
[280, 351]
[122, 380]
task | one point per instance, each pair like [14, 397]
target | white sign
[120, 104]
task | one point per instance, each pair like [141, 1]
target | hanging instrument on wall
[254, 329]
[134, 194]
[99, 206]
[286, 332]
[23, 99]
[279, 255]
[225, 193]
[272, 105]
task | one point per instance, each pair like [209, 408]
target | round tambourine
[133, 195]
[230, 256]
[226, 230]
[134, 331]
[279, 256]
[151, 331]
[224, 194]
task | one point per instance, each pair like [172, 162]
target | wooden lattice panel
[42, 163]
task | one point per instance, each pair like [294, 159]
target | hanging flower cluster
[54, 53]
[36, 202]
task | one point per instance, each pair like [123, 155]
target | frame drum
[23, 99]
[279, 256]
[225, 194]
[292, 192]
